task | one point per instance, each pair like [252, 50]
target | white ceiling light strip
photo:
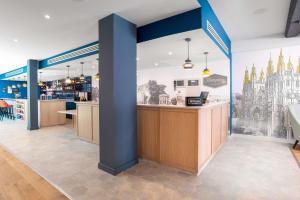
[73, 54]
[215, 35]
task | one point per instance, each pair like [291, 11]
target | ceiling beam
[293, 21]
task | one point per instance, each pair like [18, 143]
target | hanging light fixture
[82, 78]
[41, 82]
[25, 83]
[206, 71]
[188, 63]
[68, 79]
[97, 76]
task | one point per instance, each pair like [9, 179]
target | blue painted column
[117, 67]
[32, 95]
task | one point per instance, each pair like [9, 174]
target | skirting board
[116, 171]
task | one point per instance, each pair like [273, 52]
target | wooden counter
[48, 113]
[182, 137]
[88, 121]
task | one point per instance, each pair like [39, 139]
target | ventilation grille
[74, 54]
[215, 35]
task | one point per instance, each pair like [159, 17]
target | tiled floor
[243, 169]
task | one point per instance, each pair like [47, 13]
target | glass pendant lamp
[206, 72]
[40, 83]
[97, 76]
[68, 79]
[82, 77]
[188, 62]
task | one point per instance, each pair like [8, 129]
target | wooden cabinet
[204, 139]
[88, 122]
[96, 123]
[185, 138]
[84, 124]
[216, 116]
[148, 133]
[178, 138]
[225, 122]
[48, 113]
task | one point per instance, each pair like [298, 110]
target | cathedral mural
[260, 108]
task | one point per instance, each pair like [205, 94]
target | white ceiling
[73, 23]
[157, 51]
[254, 24]
[149, 53]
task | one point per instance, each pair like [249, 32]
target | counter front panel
[182, 137]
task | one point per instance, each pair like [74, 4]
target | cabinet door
[96, 124]
[84, 122]
[216, 127]
[148, 133]
[179, 138]
[204, 143]
[43, 114]
[225, 112]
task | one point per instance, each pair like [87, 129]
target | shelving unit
[21, 109]
[60, 90]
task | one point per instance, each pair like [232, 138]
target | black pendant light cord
[188, 50]
[206, 61]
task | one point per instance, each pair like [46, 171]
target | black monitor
[204, 96]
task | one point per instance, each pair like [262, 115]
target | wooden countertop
[93, 103]
[185, 107]
[52, 100]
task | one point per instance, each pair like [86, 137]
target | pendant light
[97, 76]
[188, 63]
[25, 83]
[82, 78]
[68, 79]
[40, 82]
[206, 71]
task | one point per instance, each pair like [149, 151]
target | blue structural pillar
[117, 67]
[32, 94]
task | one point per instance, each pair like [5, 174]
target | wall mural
[261, 107]
[151, 93]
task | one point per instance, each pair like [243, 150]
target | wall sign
[215, 81]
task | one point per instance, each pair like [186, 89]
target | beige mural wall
[264, 84]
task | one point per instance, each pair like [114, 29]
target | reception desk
[182, 137]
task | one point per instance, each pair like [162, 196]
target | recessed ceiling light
[170, 53]
[47, 16]
[16, 40]
[137, 59]
[156, 64]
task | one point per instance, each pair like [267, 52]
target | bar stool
[10, 112]
[2, 109]
[6, 110]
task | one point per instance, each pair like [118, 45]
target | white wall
[166, 76]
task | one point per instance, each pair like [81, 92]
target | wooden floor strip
[19, 182]
[296, 153]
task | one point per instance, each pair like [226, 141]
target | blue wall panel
[21, 70]
[187, 21]
[44, 63]
[5, 84]
[209, 15]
